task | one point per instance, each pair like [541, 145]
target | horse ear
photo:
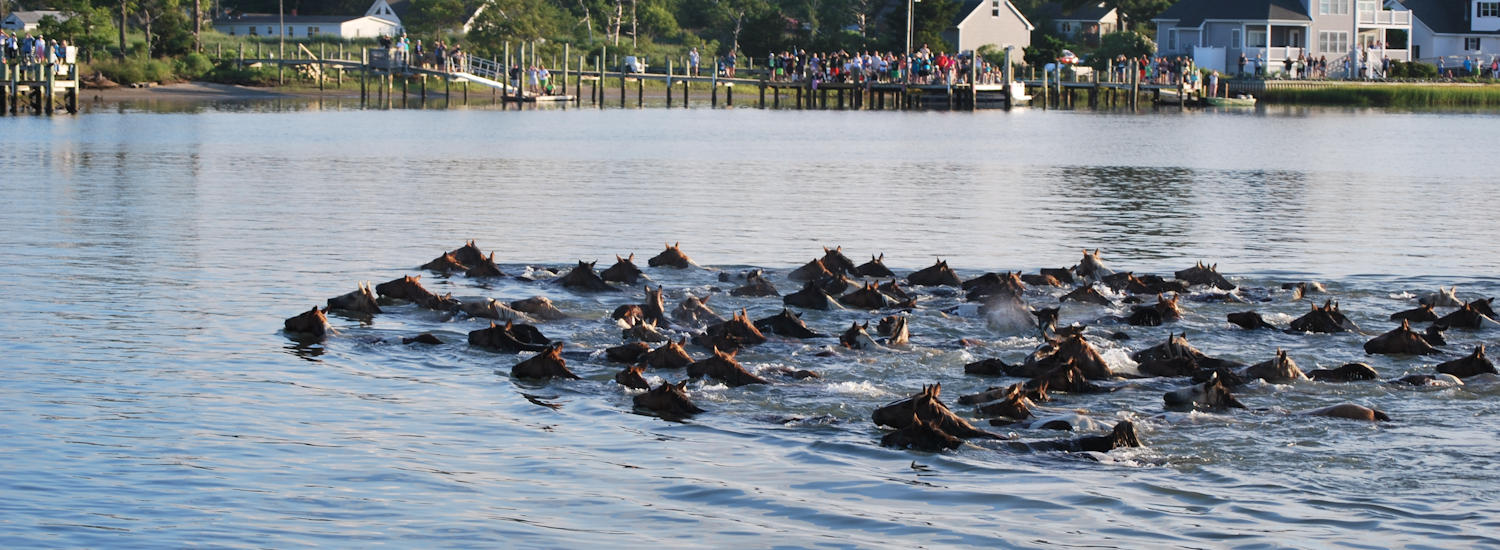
[1479, 351]
[682, 385]
[631, 258]
[677, 244]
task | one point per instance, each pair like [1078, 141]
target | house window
[1256, 38]
[1488, 9]
[313, 30]
[1336, 42]
[995, 8]
[1172, 40]
[1333, 7]
[1067, 27]
[270, 31]
[1234, 39]
[1471, 43]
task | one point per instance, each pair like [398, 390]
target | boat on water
[1242, 100]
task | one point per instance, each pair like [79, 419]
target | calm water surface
[149, 399]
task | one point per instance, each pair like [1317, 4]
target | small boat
[1241, 100]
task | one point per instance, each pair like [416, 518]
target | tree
[929, 20]
[88, 27]
[428, 17]
[1131, 44]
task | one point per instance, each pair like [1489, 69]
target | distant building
[382, 19]
[25, 21]
[988, 22]
[1455, 29]
[1085, 24]
[1216, 32]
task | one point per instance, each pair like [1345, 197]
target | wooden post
[424, 89]
[763, 77]
[340, 77]
[640, 90]
[669, 83]
[567, 51]
[599, 84]
[405, 82]
[714, 96]
[799, 96]
[974, 81]
[686, 83]
[622, 84]
[1044, 89]
[1135, 84]
[364, 76]
[729, 94]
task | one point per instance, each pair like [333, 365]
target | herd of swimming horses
[1065, 362]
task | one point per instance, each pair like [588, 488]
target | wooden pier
[39, 88]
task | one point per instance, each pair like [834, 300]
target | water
[149, 399]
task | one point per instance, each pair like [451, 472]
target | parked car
[1067, 58]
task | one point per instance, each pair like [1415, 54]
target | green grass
[1399, 95]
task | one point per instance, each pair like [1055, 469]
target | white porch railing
[1385, 17]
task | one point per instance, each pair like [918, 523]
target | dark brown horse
[1348, 372]
[485, 267]
[867, 297]
[627, 353]
[445, 264]
[410, 288]
[811, 271]
[939, 274]
[811, 296]
[858, 337]
[722, 367]
[921, 435]
[1249, 320]
[1278, 370]
[624, 271]
[927, 407]
[668, 400]
[1324, 319]
[1400, 341]
[1473, 364]
[1072, 349]
[1468, 316]
[836, 262]
[632, 378]
[510, 338]
[736, 333]
[755, 285]
[309, 324]
[358, 302]
[786, 324]
[1204, 274]
[694, 312]
[1210, 395]
[583, 278]
[1421, 314]
[547, 364]
[670, 355]
[1086, 295]
[468, 254]
[874, 268]
[895, 330]
[671, 257]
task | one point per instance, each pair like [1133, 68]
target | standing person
[1242, 65]
[417, 52]
[693, 62]
[730, 64]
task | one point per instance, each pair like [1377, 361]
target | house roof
[1443, 16]
[1090, 12]
[34, 17]
[1192, 13]
[967, 8]
[401, 7]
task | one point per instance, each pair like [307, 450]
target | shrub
[193, 66]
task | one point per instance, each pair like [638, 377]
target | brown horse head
[1091, 267]
[811, 296]
[786, 324]
[631, 352]
[1279, 370]
[1400, 341]
[548, 363]
[1249, 320]
[1086, 294]
[857, 336]
[539, 307]
[484, 268]
[510, 338]
[671, 257]
[643, 331]
[670, 355]
[874, 268]
[736, 333]
[1324, 319]
[309, 324]
[447, 263]
[895, 329]
[835, 261]
[1013, 404]
[1349, 372]
[694, 312]
[755, 285]
[654, 309]
[468, 254]
[867, 297]
[668, 400]
[921, 435]
[632, 378]
[723, 367]
[1211, 395]
[939, 274]
[624, 271]
[1473, 364]
[1204, 274]
[361, 301]
[583, 278]
[1468, 316]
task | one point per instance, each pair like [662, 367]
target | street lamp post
[910, 5]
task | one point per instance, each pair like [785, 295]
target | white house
[1085, 23]
[1215, 33]
[1455, 29]
[24, 21]
[382, 19]
[988, 22]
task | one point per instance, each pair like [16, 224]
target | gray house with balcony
[1451, 30]
[1214, 33]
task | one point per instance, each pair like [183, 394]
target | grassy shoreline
[1383, 94]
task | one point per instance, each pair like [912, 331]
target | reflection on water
[152, 251]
